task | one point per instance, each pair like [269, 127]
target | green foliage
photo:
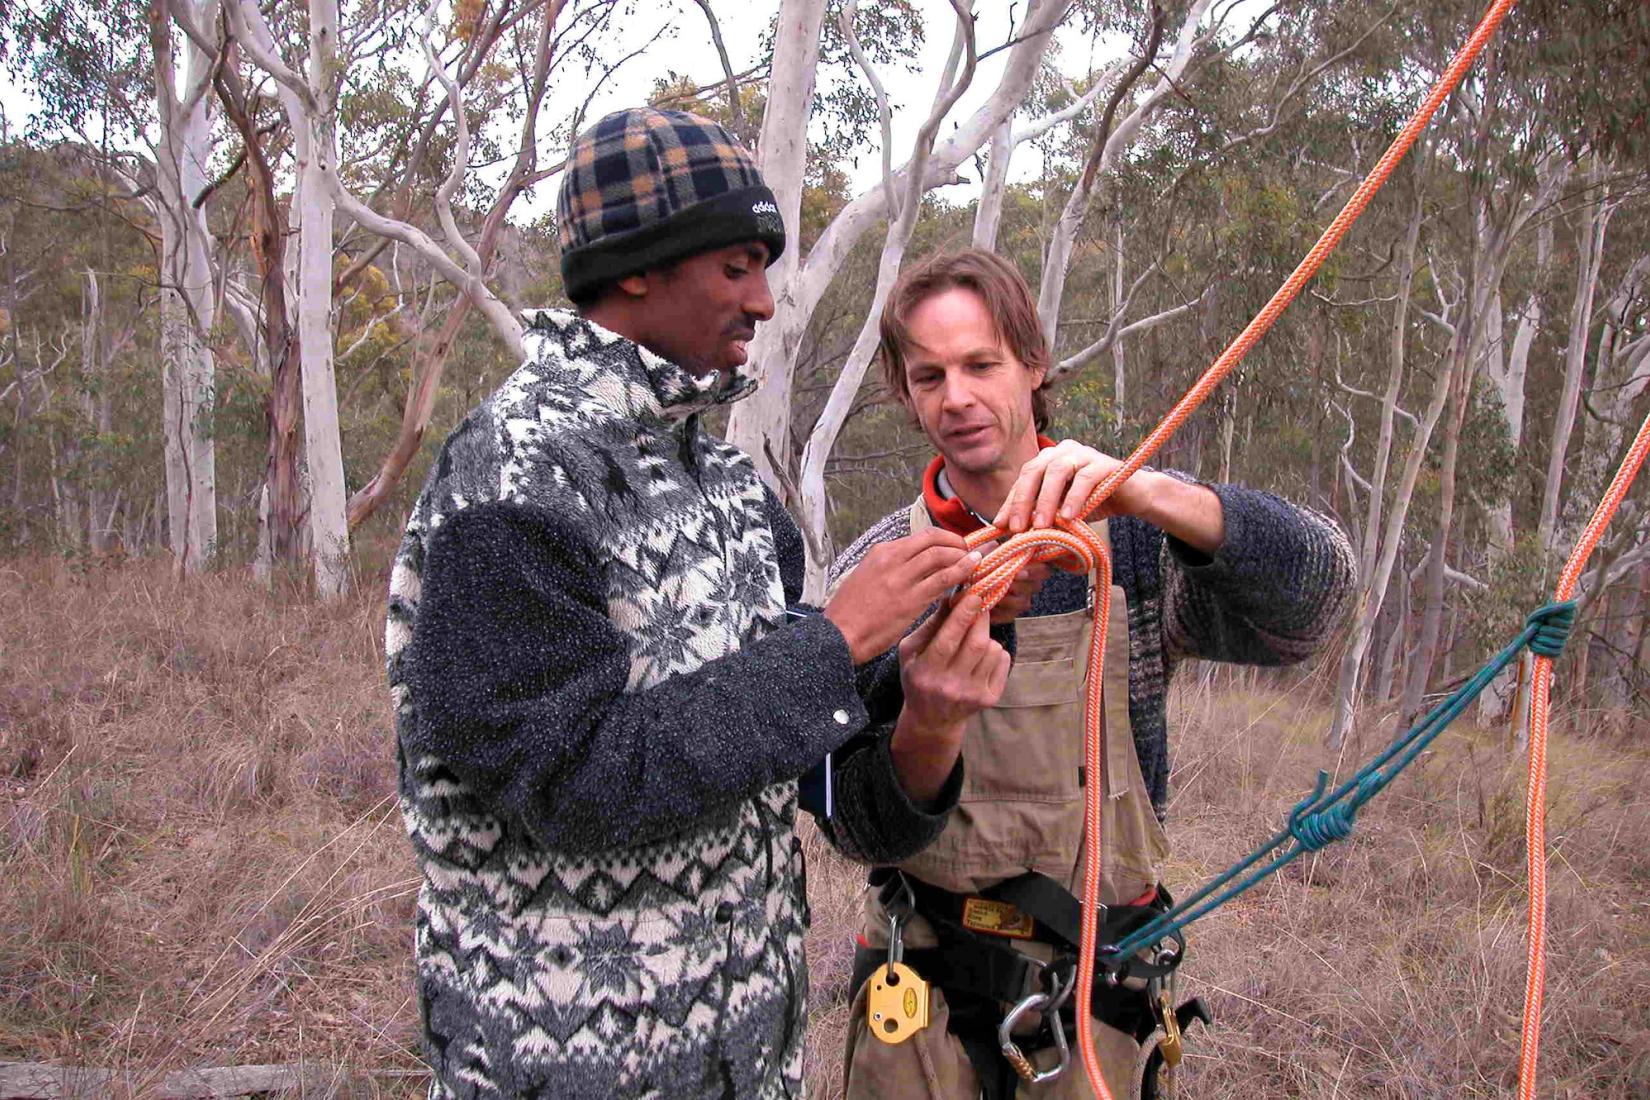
[88, 65]
[1592, 56]
[890, 32]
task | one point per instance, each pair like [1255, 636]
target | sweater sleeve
[518, 680]
[876, 821]
[1272, 593]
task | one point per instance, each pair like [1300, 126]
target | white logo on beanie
[764, 208]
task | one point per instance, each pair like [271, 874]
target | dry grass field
[203, 865]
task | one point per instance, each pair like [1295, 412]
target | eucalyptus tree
[109, 80]
[182, 154]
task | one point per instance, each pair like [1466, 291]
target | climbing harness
[1319, 818]
[980, 972]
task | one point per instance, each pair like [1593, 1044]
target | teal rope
[1320, 819]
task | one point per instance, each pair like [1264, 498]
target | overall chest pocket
[1021, 806]
[1023, 749]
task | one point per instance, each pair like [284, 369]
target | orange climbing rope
[1073, 538]
[1535, 799]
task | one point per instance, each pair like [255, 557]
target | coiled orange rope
[1074, 539]
[1535, 799]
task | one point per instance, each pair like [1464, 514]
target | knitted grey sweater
[601, 709]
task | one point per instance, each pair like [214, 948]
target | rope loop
[1552, 624]
[1068, 544]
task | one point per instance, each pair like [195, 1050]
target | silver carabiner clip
[1049, 1004]
[899, 901]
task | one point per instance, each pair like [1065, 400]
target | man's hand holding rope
[877, 603]
[1059, 480]
[950, 669]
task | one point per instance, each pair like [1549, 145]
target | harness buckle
[1049, 1004]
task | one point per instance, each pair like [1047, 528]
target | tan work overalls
[1021, 809]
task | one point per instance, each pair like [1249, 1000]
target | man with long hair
[986, 913]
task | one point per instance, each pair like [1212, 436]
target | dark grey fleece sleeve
[518, 683]
[1271, 595]
[876, 822]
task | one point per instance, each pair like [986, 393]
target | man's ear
[903, 397]
[633, 285]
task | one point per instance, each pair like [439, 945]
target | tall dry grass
[202, 858]
[203, 866]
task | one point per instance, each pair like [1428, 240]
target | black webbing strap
[1057, 915]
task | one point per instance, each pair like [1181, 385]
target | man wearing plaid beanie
[604, 691]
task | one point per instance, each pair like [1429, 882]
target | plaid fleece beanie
[644, 188]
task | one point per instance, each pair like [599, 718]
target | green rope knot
[1551, 625]
[1316, 829]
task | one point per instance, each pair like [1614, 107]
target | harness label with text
[996, 918]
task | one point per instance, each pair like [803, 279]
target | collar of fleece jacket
[656, 387]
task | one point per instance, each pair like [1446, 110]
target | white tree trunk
[759, 428]
[822, 439]
[1621, 376]
[310, 103]
[1592, 221]
[760, 424]
[98, 408]
[1119, 378]
[1509, 383]
[988, 215]
[187, 302]
[1380, 548]
[1508, 376]
[317, 155]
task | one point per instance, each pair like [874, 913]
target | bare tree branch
[736, 113]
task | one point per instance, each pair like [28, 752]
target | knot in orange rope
[1069, 544]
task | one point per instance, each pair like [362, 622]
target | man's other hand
[950, 669]
[1058, 481]
[877, 603]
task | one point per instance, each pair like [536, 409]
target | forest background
[256, 259]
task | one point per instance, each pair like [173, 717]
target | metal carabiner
[1049, 1004]
[899, 902]
[1160, 991]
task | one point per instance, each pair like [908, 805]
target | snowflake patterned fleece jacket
[601, 709]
